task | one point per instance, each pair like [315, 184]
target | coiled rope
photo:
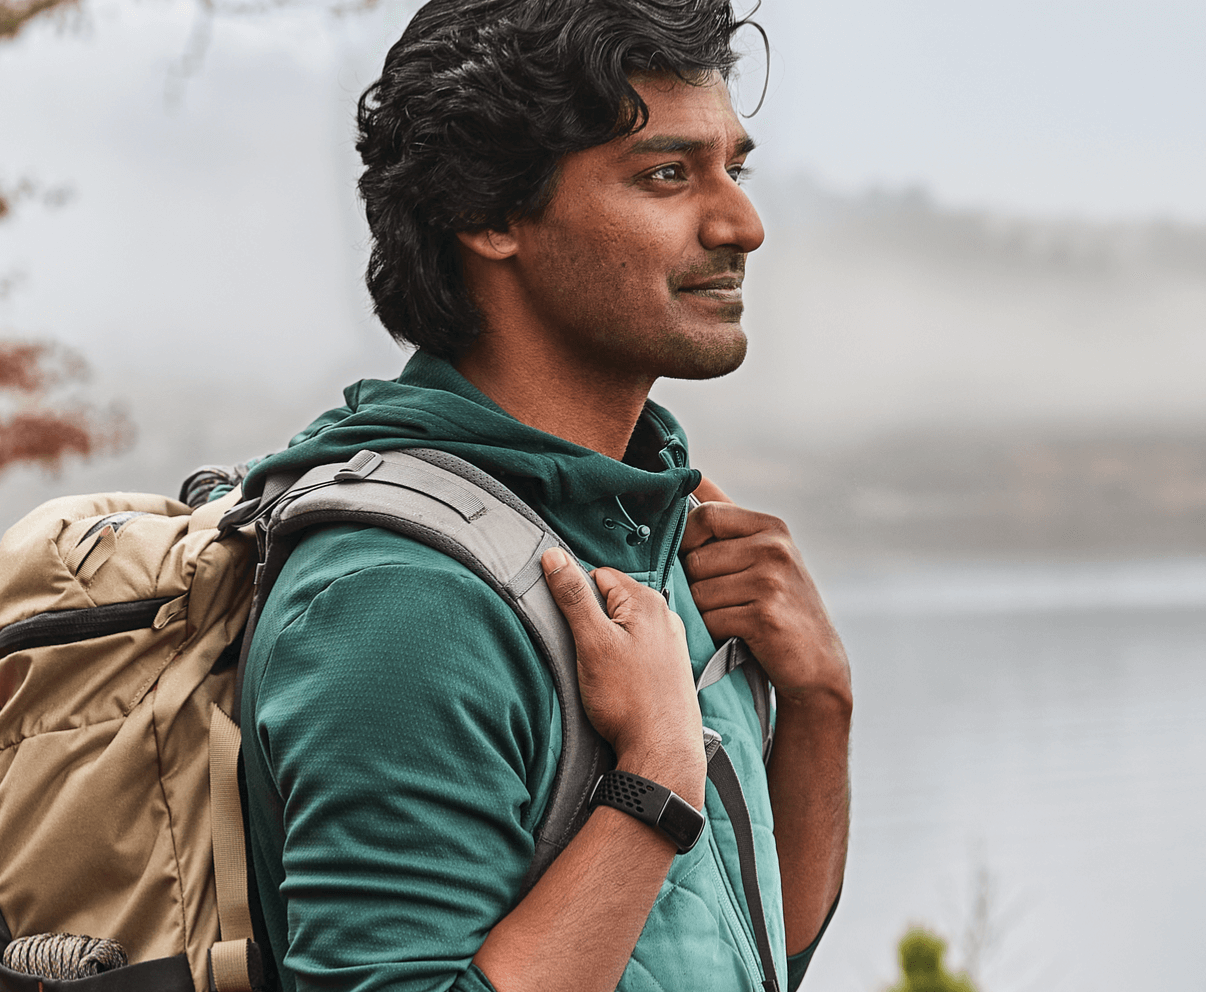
[63, 956]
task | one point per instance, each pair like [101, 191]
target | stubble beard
[712, 354]
[685, 357]
[680, 349]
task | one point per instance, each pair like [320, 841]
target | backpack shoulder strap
[447, 503]
[728, 787]
[454, 507]
[735, 653]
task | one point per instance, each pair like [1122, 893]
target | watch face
[682, 822]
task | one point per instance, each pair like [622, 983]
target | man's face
[635, 268]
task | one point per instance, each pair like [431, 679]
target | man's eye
[667, 173]
[740, 173]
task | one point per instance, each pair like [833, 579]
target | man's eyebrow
[669, 144]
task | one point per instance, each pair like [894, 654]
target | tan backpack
[119, 616]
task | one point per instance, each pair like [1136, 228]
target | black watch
[650, 803]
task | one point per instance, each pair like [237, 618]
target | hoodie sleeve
[405, 735]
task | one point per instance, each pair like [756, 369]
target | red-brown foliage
[30, 367]
[21, 366]
[43, 436]
[39, 431]
[48, 436]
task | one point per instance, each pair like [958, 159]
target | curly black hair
[478, 102]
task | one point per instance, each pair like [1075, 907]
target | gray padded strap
[453, 493]
[533, 571]
[733, 654]
[450, 505]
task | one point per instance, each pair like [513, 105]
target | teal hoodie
[401, 733]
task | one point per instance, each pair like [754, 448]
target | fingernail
[554, 560]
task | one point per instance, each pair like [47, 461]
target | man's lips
[726, 288]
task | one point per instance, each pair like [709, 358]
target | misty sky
[214, 220]
[1097, 108]
[1067, 106]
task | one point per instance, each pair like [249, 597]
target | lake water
[1036, 735]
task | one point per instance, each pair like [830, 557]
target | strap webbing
[229, 958]
[728, 657]
[230, 966]
[733, 654]
[724, 777]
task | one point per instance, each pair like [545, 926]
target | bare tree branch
[15, 14]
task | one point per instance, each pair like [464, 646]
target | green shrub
[921, 953]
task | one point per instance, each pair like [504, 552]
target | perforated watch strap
[652, 804]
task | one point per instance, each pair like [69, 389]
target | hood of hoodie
[593, 501]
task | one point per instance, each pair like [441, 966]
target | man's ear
[493, 246]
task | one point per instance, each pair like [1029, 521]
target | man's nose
[730, 220]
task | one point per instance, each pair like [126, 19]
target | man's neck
[553, 392]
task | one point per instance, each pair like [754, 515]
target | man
[553, 192]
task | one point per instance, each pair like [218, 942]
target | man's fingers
[721, 521]
[721, 591]
[619, 590]
[570, 588]
[728, 621]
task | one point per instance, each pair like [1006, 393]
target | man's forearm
[578, 926]
[810, 797]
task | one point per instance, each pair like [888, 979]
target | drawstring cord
[673, 455]
[637, 533]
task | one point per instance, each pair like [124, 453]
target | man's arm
[749, 581]
[578, 926]
[392, 811]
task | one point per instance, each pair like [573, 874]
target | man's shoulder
[335, 551]
[354, 600]
[366, 579]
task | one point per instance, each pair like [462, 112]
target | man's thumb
[570, 587]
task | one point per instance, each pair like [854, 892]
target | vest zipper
[673, 455]
[666, 565]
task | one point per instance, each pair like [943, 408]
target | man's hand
[634, 673]
[749, 581]
[575, 930]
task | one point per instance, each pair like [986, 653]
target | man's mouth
[725, 289]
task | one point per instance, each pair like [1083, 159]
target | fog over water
[974, 390]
